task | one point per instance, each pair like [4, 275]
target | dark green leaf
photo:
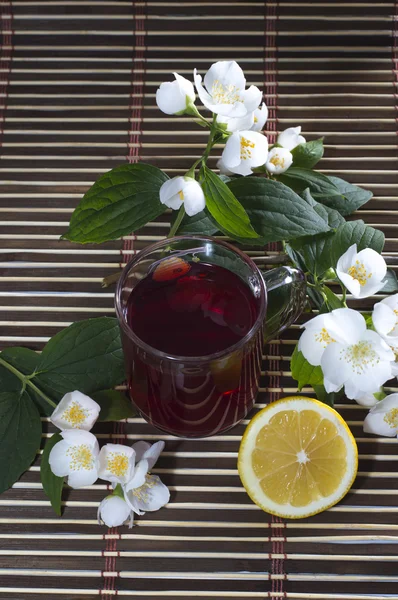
[319, 185]
[276, 212]
[315, 252]
[200, 224]
[353, 196]
[25, 361]
[326, 398]
[356, 232]
[308, 154]
[52, 485]
[391, 283]
[86, 356]
[332, 217]
[20, 435]
[225, 209]
[332, 300]
[119, 202]
[303, 372]
[114, 405]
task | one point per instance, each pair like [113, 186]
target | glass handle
[286, 297]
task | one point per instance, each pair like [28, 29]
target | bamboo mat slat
[77, 97]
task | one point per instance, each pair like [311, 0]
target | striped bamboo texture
[77, 97]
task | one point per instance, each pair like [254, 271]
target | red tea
[193, 310]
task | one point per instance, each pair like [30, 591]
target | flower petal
[290, 138]
[59, 460]
[260, 118]
[152, 495]
[171, 98]
[237, 124]
[138, 479]
[227, 73]
[114, 511]
[252, 98]
[352, 285]
[116, 463]
[384, 318]
[367, 399]
[347, 259]
[231, 152]
[185, 86]
[347, 325]
[279, 160]
[335, 370]
[153, 453]
[140, 448]
[194, 198]
[75, 411]
[82, 478]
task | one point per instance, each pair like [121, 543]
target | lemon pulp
[297, 457]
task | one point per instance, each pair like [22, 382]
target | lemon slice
[297, 458]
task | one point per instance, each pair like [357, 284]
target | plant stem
[177, 222]
[26, 381]
[344, 290]
[210, 140]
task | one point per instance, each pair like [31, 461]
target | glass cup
[199, 396]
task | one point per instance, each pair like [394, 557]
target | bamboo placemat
[78, 80]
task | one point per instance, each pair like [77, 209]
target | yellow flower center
[277, 161]
[323, 337]
[255, 120]
[118, 464]
[246, 148]
[181, 194]
[359, 272]
[81, 458]
[75, 414]
[391, 417]
[225, 94]
[360, 356]
[141, 493]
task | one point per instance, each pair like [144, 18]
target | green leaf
[332, 300]
[114, 405]
[324, 396]
[319, 185]
[303, 372]
[199, 224]
[25, 361]
[20, 435]
[276, 212]
[86, 356]
[225, 209]
[52, 485]
[119, 202]
[353, 196]
[307, 155]
[315, 250]
[391, 283]
[332, 217]
[356, 232]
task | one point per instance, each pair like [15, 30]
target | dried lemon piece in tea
[297, 458]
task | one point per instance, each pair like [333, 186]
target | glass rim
[179, 358]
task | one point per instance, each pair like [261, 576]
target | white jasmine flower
[290, 138]
[223, 169]
[185, 190]
[113, 511]
[383, 418]
[174, 97]
[116, 463]
[361, 272]
[76, 456]
[340, 325]
[145, 492]
[279, 160]
[224, 90]
[244, 151]
[362, 363]
[75, 411]
[260, 117]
